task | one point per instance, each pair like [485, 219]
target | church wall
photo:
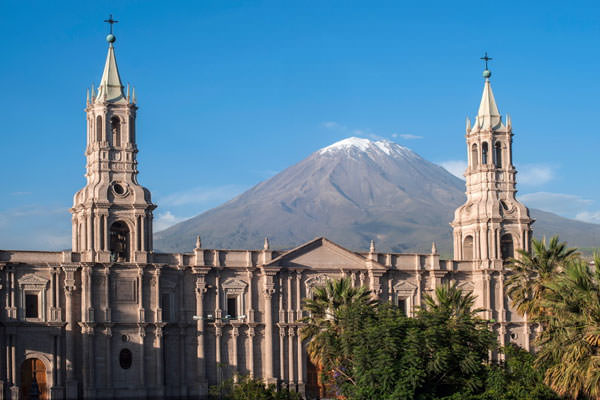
[172, 367]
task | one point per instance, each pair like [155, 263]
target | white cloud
[568, 205]
[406, 136]
[589, 216]
[455, 167]
[202, 196]
[535, 174]
[334, 125]
[165, 220]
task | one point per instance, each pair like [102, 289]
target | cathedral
[111, 318]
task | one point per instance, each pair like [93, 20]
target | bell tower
[112, 214]
[492, 224]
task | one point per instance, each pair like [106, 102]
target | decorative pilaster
[268, 290]
[70, 288]
[201, 289]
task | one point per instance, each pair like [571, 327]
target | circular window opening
[124, 338]
[125, 358]
[119, 189]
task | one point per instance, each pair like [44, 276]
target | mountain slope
[351, 192]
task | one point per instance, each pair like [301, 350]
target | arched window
[507, 247]
[99, 128]
[484, 153]
[119, 242]
[468, 248]
[115, 125]
[498, 154]
[474, 156]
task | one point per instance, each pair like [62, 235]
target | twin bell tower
[112, 214]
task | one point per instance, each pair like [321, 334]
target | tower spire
[488, 116]
[111, 88]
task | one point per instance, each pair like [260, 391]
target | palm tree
[531, 271]
[569, 345]
[322, 327]
[451, 301]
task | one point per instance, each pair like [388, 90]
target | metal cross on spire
[486, 59]
[110, 21]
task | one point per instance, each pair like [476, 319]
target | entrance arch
[33, 372]
[119, 241]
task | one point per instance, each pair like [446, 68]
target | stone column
[200, 353]
[69, 285]
[108, 335]
[235, 332]
[299, 350]
[142, 333]
[268, 291]
[282, 353]
[291, 339]
[251, 334]
[218, 334]
[158, 346]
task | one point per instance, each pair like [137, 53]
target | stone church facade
[113, 319]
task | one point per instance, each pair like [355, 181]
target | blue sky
[232, 92]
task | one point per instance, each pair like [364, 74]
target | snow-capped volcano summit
[368, 146]
[352, 191]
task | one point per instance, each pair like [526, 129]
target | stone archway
[33, 374]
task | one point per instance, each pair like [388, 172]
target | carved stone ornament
[317, 281]
[33, 282]
[405, 288]
[234, 286]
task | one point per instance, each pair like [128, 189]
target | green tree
[530, 272]
[247, 388]
[322, 328]
[516, 378]
[569, 345]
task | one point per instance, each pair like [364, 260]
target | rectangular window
[232, 307]
[31, 306]
[402, 305]
[165, 305]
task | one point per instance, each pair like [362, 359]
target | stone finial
[372, 247]
[198, 242]
[433, 248]
[468, 128]
[266, 245]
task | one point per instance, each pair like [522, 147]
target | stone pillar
[108, 335]
[158, 347]
[69, 285]
[200, 353]
[282, 354]
[142, 333]
[251, 334]
[291, 340]
[268, 291]
[218, 334]
[235, 333]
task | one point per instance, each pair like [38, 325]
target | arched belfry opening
[119, 242]
[468, 248]
[498, 154]
[115, 126]
[507, 247]
[99, 128]
[484, 153]
[474, 156]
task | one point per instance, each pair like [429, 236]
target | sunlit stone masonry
[113, 319]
